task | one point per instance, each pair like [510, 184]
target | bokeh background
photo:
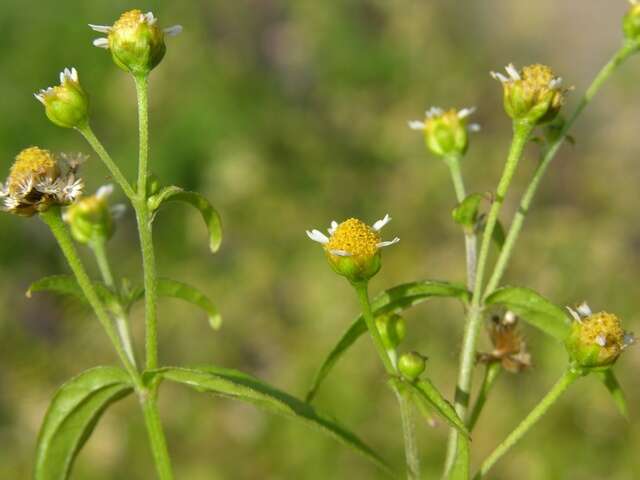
[288, 114]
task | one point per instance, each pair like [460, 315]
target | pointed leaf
[72, 416]
[609, 380]
[466, 213]
[498, 235]
[533, 309]
[68, 286]
[394, 300]
[241, 386]
[461, 464]
[209, 214]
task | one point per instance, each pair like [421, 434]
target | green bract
[631, 24]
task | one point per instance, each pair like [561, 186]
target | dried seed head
[509, 348]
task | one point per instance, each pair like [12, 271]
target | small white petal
[628, 339]
[434, 112]
[39, 97]
[74, 74]
[381, 223]
[416, 125]
[509, 318]
[555, 83]
[575, 315]
[100, 28]
[500, 77]
[118, 210]
[601, 340]
[101, 42]
[340, 253]
[388, 242]
[149, 18]
[104, 191]
[474, 127]
[513, 72]
[333, 227]
[465, 112]
[173, 30]
[317, 236]
[584, 310]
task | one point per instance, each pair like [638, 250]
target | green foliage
[466, 212]
[609, 380]
[67, 285]
[72, 416]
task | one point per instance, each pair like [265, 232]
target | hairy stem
[549, 154]
[408, 429]
[549, 399]
[156, 436]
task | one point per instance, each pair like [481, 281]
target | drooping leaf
[167, 287]
[466, 212]
[533, 309]
[609, 380]
[68, 286]
[234, 384]
[394, 300]
[72, 416]
[209, 214]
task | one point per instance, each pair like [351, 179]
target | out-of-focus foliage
[287, 114]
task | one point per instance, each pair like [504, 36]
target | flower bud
[533, 95]
[392, 330]
[67, 104]
[90, 217]
[353, 248]
[631, 23]
[596, 340]
[135, 40]
[411, 365]
[446, 133]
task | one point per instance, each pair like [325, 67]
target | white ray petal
[149, 18]
[474, 127]
[555, 83]
[465, 112]
[100, 28]
[317, 236]
[416, 125]
[104, 191]
[173, 30]
[628, 339]
[500, 77]
[434, 112]
[333, 227]
[584, 310]
[101, 42]
[513, 72]
[601, 340]
[39, 97]
[574, 314]
[388, 242]
[340, 253]
[381, 223]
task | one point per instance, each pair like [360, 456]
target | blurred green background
[288, 114]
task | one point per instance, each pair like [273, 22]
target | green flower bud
[353, 248]
[631, 23]
[392, 330]
[135, 41]
[596, 340]
[66, 105]
[411, 365]
[90, 218]
[446, 133]
[533, 95]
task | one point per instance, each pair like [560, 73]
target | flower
[596, 340]
[135, 41]
[353, 247]
[445, 133]
[534, 94]
[509, 348]
[91, 218]
[67, 104]
[631, 23]
[36, 183]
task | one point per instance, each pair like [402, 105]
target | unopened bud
[90, 218]
[67, 104]
[411, 365]
[392, 330]
[631, 23]
[446, 132]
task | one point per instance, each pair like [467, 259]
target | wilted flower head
[135, 41]
[91, 218]
[509, 348]
[631, 23]
[36, 183]
[67, 104]
[533, 94]
[596, 339]
[445, 132]
[353, 247]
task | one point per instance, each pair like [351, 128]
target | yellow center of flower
[603, 327]
[537, 76]
[354, 237]
[32, 162]
[128, 20]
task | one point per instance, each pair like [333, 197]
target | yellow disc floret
[356, 238]
[32, 164]
[596, 341]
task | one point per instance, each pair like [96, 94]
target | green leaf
[498, 235]
[68, 286]
[609, 380]
[167, 287]
[234, 384]
[533, 309]
[209, 214]
[460, 469]
[394, 300]
[466, 213]
[72, 416]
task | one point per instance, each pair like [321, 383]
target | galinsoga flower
[67, 104]
[596, 339]
[91, 218]
[135, 41]
[353, 247]
[445, 132]
[631, 23]
[36, 183]
[509, 348]
[534, 94]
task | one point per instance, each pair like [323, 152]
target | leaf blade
[67, 285]
[425, 390]
[610, 382]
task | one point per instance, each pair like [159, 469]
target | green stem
[53, 219]
[97, 146]
[156, 436]
[408, 430]
[549, 154]
[491, 374]
[549, 399]
[100, 252]
[143, 128]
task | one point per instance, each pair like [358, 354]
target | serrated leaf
[533, 309]
[67, 285]
[234, 384]
[72, 416]
[393, 300]
[209, 214]
[167, 287]
[609, 380]
[466, 213]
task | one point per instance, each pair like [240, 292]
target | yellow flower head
[446, 132]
